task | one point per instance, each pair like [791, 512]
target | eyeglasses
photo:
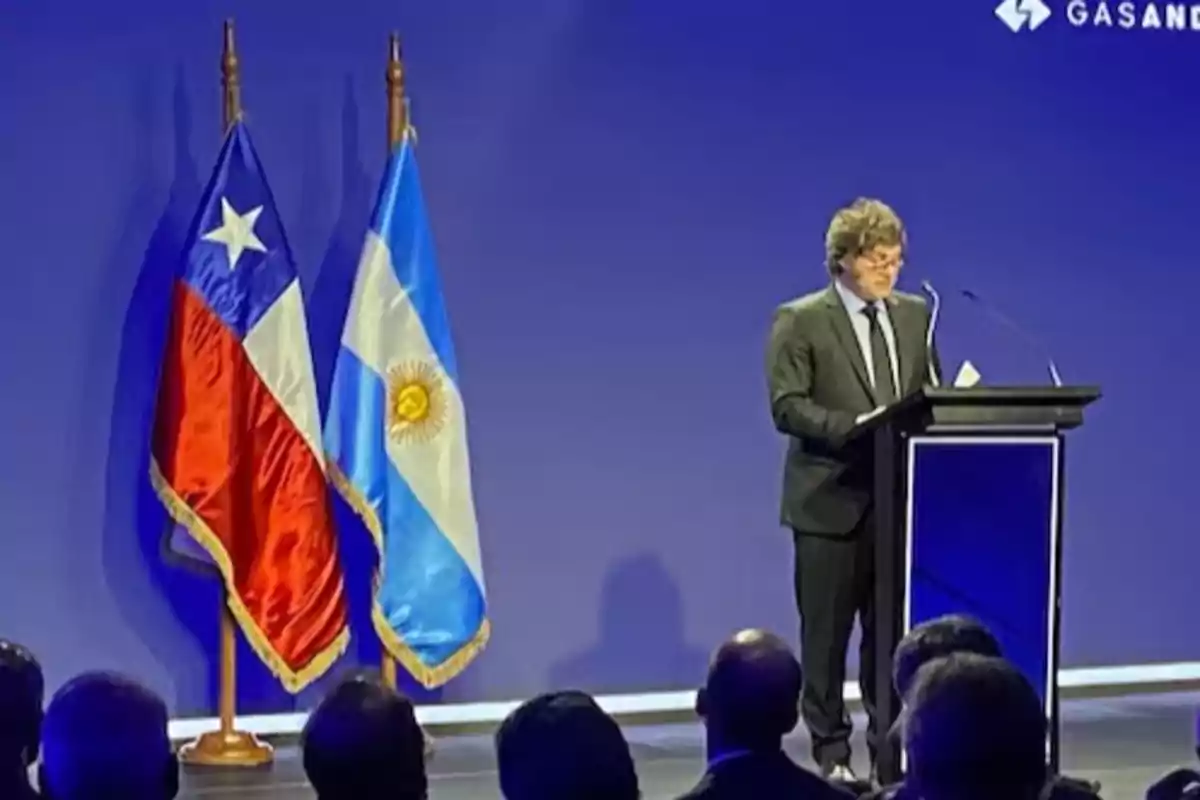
[879, 263]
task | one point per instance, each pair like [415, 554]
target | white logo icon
[1017, 13]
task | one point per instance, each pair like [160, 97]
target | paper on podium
[967, 376]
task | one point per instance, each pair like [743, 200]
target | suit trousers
[835, 583]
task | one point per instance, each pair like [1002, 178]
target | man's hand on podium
[861, 418]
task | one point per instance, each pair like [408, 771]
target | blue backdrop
[622, 192]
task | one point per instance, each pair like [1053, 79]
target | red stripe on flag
[231, 456]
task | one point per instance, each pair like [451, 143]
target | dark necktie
[881, 360]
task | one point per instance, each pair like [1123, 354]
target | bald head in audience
[751, 696]
[751, 700]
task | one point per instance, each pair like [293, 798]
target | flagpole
[227, 746]
[397, 121]
[397, 126]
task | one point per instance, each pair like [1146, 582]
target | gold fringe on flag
[294, 681]
[429, 677]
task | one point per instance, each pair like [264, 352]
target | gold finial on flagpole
[231, 81]
[399, 118]
[397, 107]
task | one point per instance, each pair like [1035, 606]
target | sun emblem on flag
[417, 406]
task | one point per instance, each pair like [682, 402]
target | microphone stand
[934, 378]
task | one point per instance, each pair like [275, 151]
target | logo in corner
[1016, 14]
[416, 405]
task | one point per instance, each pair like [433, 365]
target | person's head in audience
[105, 738]
[363, 742]
[22, 692]
[937, 638]
[974, 729]
[751, 697]
[563, 746]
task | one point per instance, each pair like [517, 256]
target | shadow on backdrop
[642, 647]
[330, 295]
[156, 598]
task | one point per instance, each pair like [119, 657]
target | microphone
[927, 287]
[1017, 329]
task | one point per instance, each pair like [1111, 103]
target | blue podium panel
[982, 524]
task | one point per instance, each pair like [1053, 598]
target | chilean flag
[237, 454]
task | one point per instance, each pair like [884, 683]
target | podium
[968, 487]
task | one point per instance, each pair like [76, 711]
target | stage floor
[1125, 743]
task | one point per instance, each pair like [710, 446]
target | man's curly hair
[861, 226]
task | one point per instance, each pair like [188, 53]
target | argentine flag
[396, 439]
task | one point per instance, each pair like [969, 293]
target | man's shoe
[429, 746]
[839, 773]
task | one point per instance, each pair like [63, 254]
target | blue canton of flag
[241, 279]
[396, 439]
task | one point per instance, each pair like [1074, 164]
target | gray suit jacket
[819, 384]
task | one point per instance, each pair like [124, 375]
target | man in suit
[749, 702]
[835, 357]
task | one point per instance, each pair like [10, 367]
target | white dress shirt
[862, 331]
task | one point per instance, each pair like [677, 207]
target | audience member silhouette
[363, 742]
[749, 702]
[22, 692]
[974, 729]
[563, 746]
[944, 636]
[1178, 784]
[937, 638]
[105, 738]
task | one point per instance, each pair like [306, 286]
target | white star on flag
[236, 232]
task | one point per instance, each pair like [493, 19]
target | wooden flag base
[227, 749]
